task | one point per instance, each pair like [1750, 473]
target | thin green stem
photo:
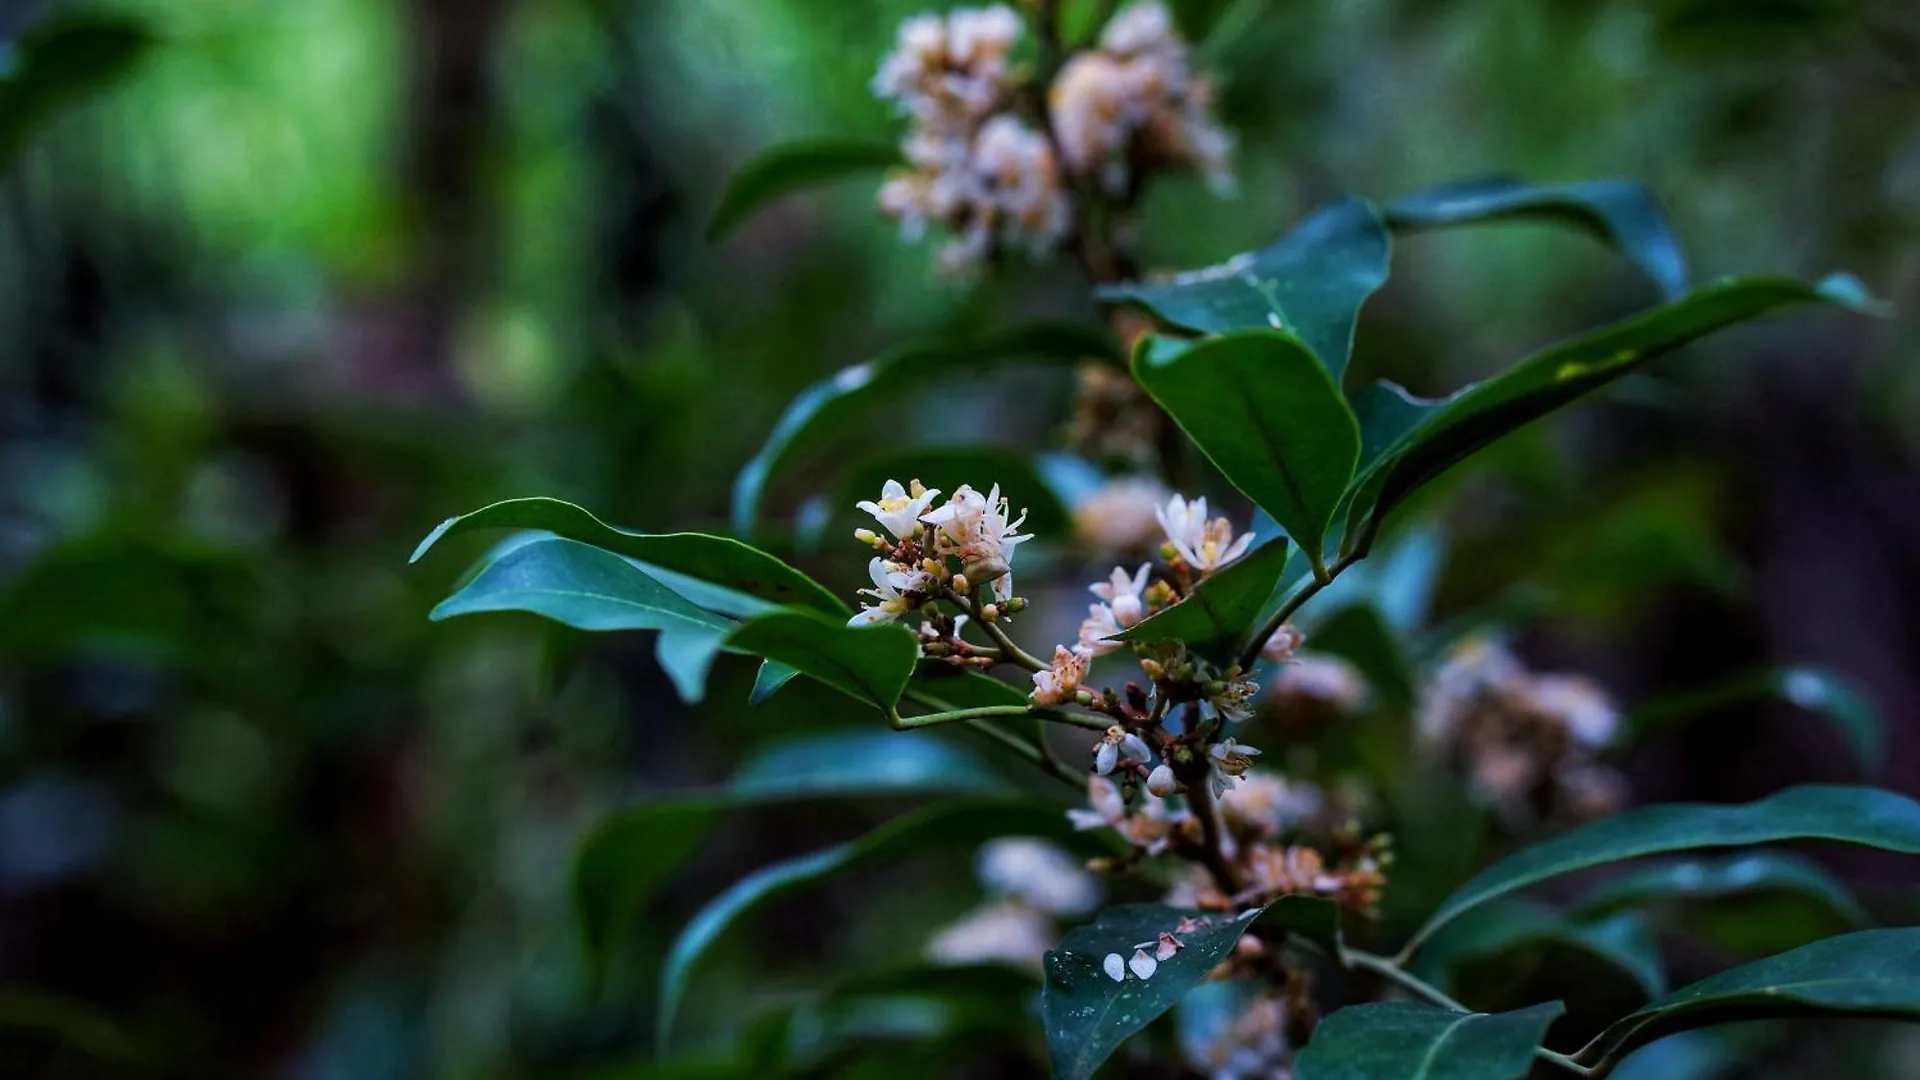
[1568, 1063]
[1383, 966]
[1321, 579]
[954, 716]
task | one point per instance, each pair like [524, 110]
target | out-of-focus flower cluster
[1135, 104]
[1528, 743]
[1031, 885]
[988, 159]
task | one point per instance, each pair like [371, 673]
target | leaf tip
[1851, 293]
[432, 538]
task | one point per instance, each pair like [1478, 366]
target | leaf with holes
[1267, 415]
[1311, 282]
[1394, 1040]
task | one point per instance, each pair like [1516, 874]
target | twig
[1009, 651]
[1212, 854]
[1381, 965]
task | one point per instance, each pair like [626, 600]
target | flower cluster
[1135, 103]
[1528, 742]
[987, 160]
[974, 165]
[929, 553]
[1031, 886]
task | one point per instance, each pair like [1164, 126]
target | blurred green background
[283, 285]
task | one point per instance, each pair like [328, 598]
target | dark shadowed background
[284, 285]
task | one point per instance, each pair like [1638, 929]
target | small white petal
[1135, 748]
[1105, 758]
[1143, 964]
[1161, 781]
[1116, 968]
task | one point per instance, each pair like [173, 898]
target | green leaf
[57, 64]
[1218, 619]
[1310, 282]
[1621, 213]
[1853, 815]
[871, 663]
[1267, 415]
[1393, 1040]
[716, 559]
[625, 857]
[1485, 411]
[1088, 1014]
[960, 823]
[828, 404]
[1822, 691]
[581, 586]
[795, 166]
[1869, 973]
[1359, 634]
[686, 656]
[1692, 1055]
[769, 679]
[1709, 878]
[947, 467]
[1623, 939]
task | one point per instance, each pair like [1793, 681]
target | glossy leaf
[1268, 417]
[1484, 412]
[1394, 1040]
[717, 559]
[1218, 618]
[795, 166]
[1621, 939]
[950, 825]
[829, 403]
[1731, 875]
[1853, 815]
[769, 679]
[1869, 973]
[1821, 691]
[1621, 213]
[686, 656]
[871, 663]
[1311, 283]
[625, 857]
[581, 586]
[59, 63]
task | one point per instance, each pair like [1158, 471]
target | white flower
[1058, 684]
[1327, 679]
[898, 509]
[1234, 700]
[1203, 544]
[1115, 967]
[1161, 781]
[898, 590]
[1119, 745]
[1122, 592]
[982, 532]
[1002, 932]
[1039, 874]
[1267, 805]
[1284, 643]
[1098, 628]
[1227, 762]
[1580, 703]
[1108, 806]
[1119, 515]
[1143, 964]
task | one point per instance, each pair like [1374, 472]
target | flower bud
[1014, 605]
[1161, 781]
[1083, 697]
[961, 584]
[990, 612]
[866, 536]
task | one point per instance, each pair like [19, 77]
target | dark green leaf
[1706, 878]
[1691, 1055]
[686, 656]
[1818, 690]
[1624, 940]
[1310, 282]
[1268, 417]
[1854, 815]
[947, 467]
[1359, 634]
[626, 855]
[581, 586]
[1088, 1014]
[716, 559]
[1394, 1040]
[59, 63]
[795, 166]
[957, 689]
[1219, 617]
[1485, 411]
[1874, 973]
[871, 663]
[769, 679]
[949, 825]
[1619, 212]
[828, 404]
